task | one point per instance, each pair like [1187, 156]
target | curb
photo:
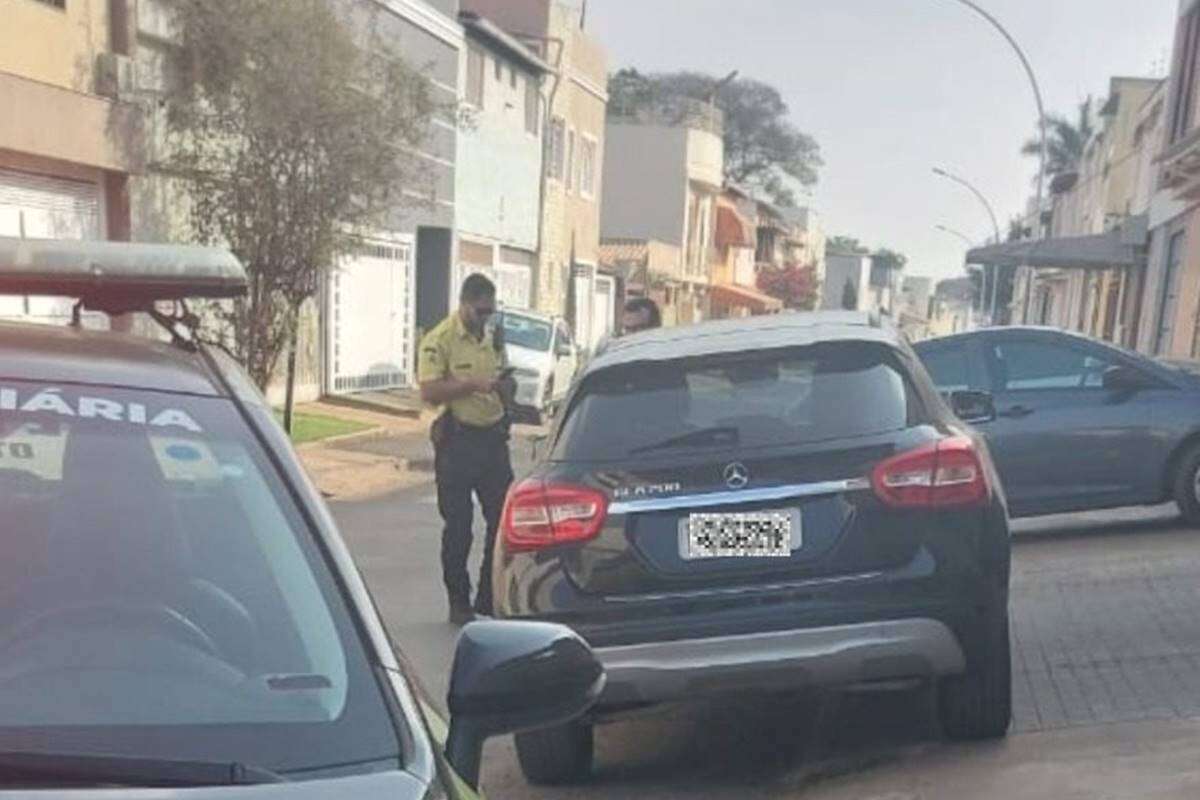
[349, 401]
[343, 437]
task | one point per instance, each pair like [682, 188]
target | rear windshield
[148, 551]
[793, 396]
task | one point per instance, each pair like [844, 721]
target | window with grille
[533, 116]
[587, 166]
[1184, 91]
[475, 76]
[571, 178]
[557, 147]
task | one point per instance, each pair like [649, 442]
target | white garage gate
[371, 314]
[41, 207]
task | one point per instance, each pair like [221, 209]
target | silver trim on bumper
[839, 655]
[765, 494]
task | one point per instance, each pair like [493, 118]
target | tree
[290, 136]
[889, 259]
[1065, 140]
[794, 284]
[850, 296]
[764, 150]
[845, 245]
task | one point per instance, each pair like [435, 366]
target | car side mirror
[973, 407]
[564, 349]
[510, 677]
[1123, 379]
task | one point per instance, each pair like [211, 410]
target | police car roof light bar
[118, 277]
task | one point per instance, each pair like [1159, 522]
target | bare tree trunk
[290, 388]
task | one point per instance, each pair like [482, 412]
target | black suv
[771, 503]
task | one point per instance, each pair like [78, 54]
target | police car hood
[393, 785]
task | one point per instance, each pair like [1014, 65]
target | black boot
[460, 612]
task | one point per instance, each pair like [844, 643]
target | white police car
[176, 606]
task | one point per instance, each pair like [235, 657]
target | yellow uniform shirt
[450, 351]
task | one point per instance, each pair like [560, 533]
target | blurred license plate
[750, 534]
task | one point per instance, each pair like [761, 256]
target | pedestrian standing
[460, 371]
[639, 314]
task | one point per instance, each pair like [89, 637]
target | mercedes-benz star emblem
[737, 476]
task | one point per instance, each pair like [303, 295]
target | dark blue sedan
[1075, 424]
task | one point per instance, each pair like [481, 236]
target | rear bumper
[837, 655]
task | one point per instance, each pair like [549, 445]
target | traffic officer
[460, 370]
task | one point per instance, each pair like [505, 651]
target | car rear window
[793, 396]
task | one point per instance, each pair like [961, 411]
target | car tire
[1187, 486]
[556, 756]
[978, 704]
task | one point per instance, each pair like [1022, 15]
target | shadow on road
[1121, 523]
[754, 743]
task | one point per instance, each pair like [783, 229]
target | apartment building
[69, 141]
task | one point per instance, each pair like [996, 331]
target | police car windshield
[162, 597]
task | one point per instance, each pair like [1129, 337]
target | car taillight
[942, 474]
[539, 515]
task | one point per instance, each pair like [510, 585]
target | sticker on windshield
[51, 401]
[185, 460]
[34, 449]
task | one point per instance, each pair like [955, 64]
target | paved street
[1106, 613]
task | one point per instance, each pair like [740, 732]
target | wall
[529, 17]
[838, 270]
[645, 182]
[431, 43]
[53, 45]
[500, 162]
[705, 157]
[577, 94]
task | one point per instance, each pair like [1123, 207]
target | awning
[731, 229]
[736, 295]
[1124, 246]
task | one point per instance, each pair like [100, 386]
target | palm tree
[1065, 140]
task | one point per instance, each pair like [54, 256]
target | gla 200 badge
[645, 490]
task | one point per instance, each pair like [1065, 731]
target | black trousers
[472, 461]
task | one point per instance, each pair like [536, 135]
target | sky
[892, 88]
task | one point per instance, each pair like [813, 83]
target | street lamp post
[995, 229]
[1041, 112]
[959, 234]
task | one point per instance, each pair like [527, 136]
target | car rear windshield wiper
[75, 768]
[720, 434]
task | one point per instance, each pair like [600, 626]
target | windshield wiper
[71, 768]
[720, 434]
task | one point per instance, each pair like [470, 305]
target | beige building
[1087, 271]
[68, 141]
[1101, 198]
[662, 179]
[576, 99]
[733, 273]
[806, 239]
[1170, 324]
